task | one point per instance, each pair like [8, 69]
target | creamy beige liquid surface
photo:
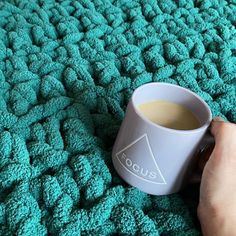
[169, 114]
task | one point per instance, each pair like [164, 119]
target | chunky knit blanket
[67, 71]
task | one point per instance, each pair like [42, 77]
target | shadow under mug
[153, 158]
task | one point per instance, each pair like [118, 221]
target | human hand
[217, 203]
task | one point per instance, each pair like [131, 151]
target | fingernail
[218, 118]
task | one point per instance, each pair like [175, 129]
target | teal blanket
[67, 71]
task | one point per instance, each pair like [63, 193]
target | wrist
[216, 221]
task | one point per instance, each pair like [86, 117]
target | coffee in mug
[169, 114]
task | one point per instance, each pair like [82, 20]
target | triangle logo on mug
[145, 168]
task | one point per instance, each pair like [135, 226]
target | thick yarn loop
[67, 71]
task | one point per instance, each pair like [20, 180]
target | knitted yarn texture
[67, 71]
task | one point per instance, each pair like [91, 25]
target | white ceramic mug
[151, 157]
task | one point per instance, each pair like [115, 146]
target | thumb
[215, 126]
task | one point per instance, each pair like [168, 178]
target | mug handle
[207, 142]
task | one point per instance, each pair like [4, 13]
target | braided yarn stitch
[67, 71]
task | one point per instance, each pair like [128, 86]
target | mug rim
[199, 129]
